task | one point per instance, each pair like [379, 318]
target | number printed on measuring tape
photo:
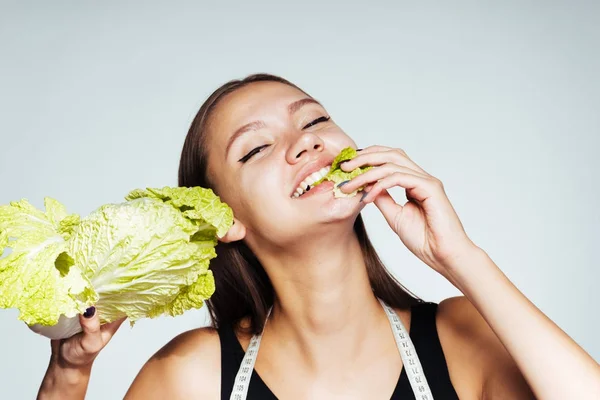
[411, 362]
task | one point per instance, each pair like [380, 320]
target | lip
[326, 186]
[308, 169]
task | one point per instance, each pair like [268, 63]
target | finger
[372, 149]
[380, 157]
[108, 330]
[420, 188]
[388, 207]
[369, 156]
[91, 338]
[375, 174]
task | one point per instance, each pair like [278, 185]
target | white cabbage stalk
[65, 328]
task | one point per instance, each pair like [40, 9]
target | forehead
[256, 101]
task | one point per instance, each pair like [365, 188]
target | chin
[346, 208]
[313, 224]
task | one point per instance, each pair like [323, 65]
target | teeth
[315, 176]
[309, 180]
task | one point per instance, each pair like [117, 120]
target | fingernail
[342, 183]
[364, 194]
[358, 149]
[89, 313]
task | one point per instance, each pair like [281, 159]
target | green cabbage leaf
[145, 257]
[337, 175]
[38, 275]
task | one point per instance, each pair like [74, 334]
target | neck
[323, 297]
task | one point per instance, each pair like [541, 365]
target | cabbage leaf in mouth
[337, 175]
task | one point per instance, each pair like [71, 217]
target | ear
[235, 233]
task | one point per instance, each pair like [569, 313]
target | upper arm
[187, 367]
[476, 352]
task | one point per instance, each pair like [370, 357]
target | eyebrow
[256, 125]
[295, 106]
[252, 126]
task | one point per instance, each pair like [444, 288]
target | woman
[328, 336]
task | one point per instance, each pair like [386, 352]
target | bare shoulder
[458, 319]
[189, 366]
[478, 363]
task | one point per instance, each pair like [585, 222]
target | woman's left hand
[427, 224]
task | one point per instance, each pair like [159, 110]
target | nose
[307, 144]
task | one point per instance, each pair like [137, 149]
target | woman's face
[264, 140]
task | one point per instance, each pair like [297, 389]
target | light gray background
[500, 101]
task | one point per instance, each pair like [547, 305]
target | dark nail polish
[342, 184]
[89, 313]
[359, 149]
[364, 194]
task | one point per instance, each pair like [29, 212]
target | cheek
[263, 191]
[259, 193]
[337, 138]
[234, 195]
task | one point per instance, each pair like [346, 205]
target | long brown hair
[243, 288]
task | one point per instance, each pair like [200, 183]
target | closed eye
[316, 121]
[252, 152]
[259, 148]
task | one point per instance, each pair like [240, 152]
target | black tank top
[423, 333]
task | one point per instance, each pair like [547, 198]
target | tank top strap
[424, 334]
[232, 354]
[231, 358]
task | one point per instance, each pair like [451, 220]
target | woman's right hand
[71, 361]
